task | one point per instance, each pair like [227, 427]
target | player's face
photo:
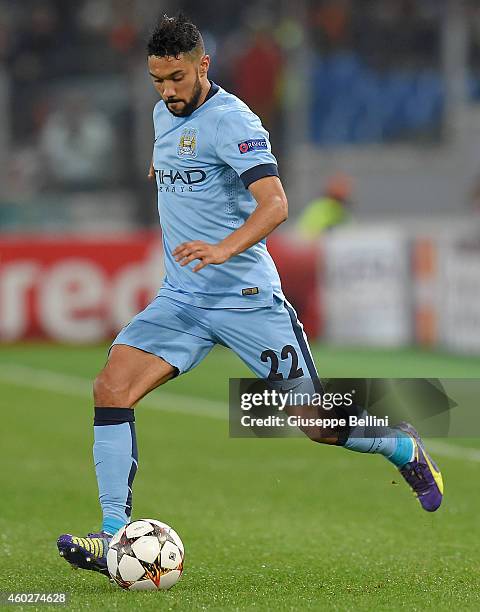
[178, 81]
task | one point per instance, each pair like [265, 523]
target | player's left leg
[271, 341]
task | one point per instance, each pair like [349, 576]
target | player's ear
[204, 65]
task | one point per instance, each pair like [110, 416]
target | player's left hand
[197, 249]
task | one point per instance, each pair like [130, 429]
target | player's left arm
[271, 211]
[242, 143]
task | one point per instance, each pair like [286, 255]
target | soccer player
[219, 196]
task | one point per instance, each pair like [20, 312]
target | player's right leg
[129, 375]
[158, 344]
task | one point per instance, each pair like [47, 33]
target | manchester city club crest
[187, 147]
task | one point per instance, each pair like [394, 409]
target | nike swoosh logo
[435, 473]
[290, 389]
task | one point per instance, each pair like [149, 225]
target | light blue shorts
[270, 340]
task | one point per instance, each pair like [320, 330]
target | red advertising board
[75, 289]
[300, 268]
[84, 289]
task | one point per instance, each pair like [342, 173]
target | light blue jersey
[203, 165]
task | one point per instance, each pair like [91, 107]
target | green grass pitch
[267, 524]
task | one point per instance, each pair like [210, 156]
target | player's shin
[395, 445]
[116, 459]
[364, 437]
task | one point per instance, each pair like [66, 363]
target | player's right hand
[151, 172]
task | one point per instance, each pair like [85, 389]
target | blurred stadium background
[383, 94]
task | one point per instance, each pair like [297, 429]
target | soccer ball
[145, 555]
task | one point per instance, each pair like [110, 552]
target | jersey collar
[212, 91]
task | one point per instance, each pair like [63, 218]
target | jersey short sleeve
[243, 144]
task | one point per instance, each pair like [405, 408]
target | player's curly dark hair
[173, 36]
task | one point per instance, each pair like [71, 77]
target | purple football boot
[422, 474]
[88, 553]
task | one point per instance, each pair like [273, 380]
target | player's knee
[320, 436]
[112, 390]
[316, 432]
[323, 438]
